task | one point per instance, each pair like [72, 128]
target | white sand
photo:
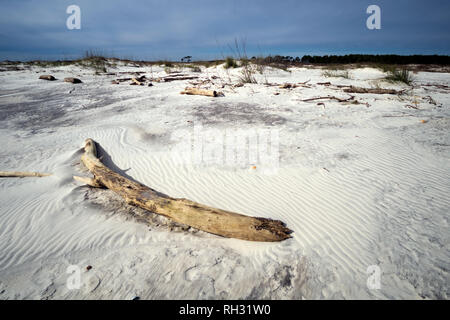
[359, 186]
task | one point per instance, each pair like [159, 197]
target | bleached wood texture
[212, 220]
[201, 92]
[20, 174]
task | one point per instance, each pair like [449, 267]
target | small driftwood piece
[72, 80]
[175, 78]
[350, 100]
[122, 79]
[47, 77]
[20, 174]
[372, 90]
[201, 82]
[137, 73]
[329, 98]
[440, 86]
[287, 86]
[294, 85]
[200, 92]
[136, 81]
[216, 221]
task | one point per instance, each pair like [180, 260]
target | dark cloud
[206, 28]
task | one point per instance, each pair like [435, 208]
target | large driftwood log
[216, 221]
[20, 174]
[201, 92]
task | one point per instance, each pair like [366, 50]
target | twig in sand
[432, 101]
[351, 100]
[329, 98]
[20, 174]
[440, 86]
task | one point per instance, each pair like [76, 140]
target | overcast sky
[204, 29]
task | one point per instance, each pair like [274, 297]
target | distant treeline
[361, 58]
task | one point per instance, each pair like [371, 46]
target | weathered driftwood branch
[47, 77]
[294, 85]
[351, 100]
[216, 221]
[175, 77]
[330, 98]
[440, 86]
[8, 174]
[142, 80]
[72, 80]
[122, 79]
[201, 92]
[372, 90]
[136, 81]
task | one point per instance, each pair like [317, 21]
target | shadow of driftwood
[107, 161]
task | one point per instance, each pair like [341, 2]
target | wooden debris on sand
[353, 89]
[142, 80]
[72, 80]
[176, 77]
[21, 174]
[47, 77]
[212, 220]
[294, 85]
[201, 92]
[329, 98]
[122, 80]
[135, 81]
[439, 86]
[350, 100]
